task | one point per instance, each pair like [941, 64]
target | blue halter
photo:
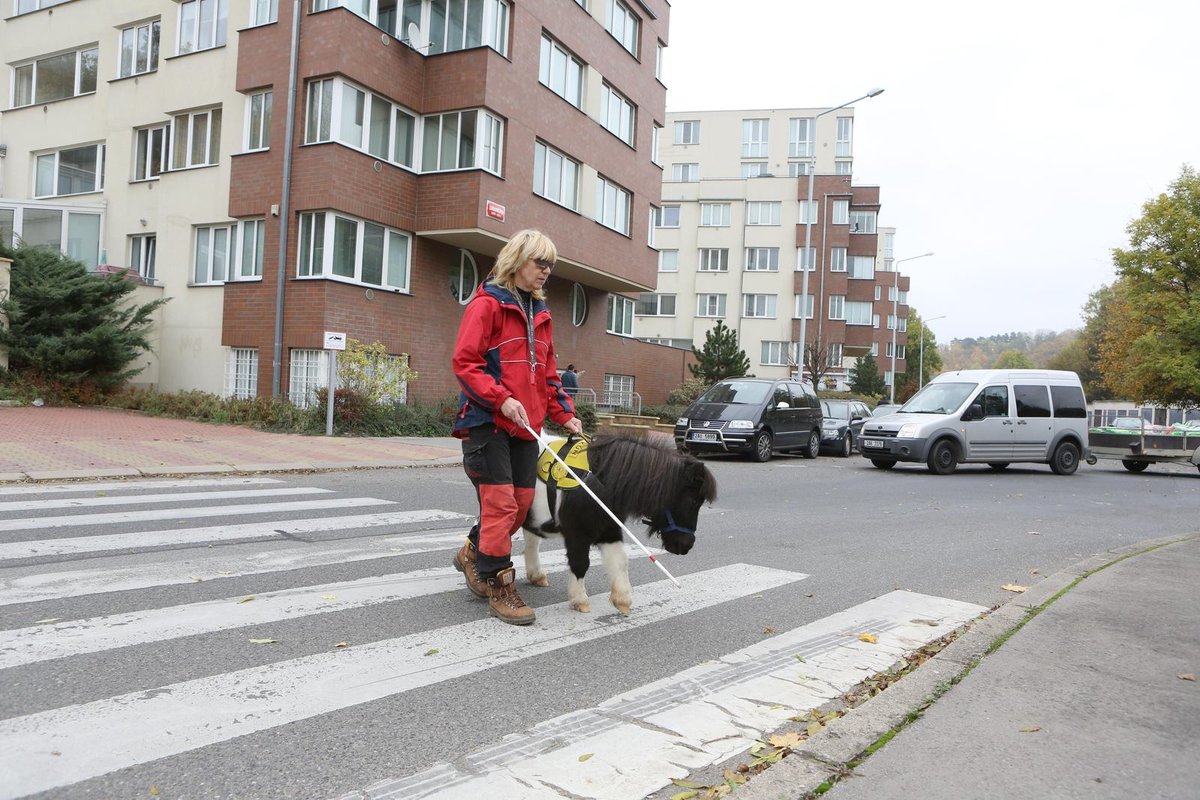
[671, 526]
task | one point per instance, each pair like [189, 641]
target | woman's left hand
[574, 425]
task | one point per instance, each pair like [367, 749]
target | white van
[985, 416]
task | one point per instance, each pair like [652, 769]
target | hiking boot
[504, 602]
[464, 562]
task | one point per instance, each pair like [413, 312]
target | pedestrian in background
[570, 380]
[504, 362]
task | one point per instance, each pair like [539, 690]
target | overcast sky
[1015, 140]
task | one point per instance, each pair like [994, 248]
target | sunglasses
[545, 264]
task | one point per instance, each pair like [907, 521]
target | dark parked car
[756, 416]
[842, 426]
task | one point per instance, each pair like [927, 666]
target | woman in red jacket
[504, 362]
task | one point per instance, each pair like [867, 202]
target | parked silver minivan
[989, 416]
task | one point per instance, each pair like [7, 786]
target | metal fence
[1148, 415]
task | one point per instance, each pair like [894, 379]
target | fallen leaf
[585, 756]
[262, 641]
[245, 600]
[688, 795]
[801, 660]
[431, 652]
[930, 622]
[814, 728]
[329, 597]
[1186, 676]
[768, 631]
[196, 578]
[688, 784]
[341, 644]
[734, 779]
[1014, 587]
[47, 620]
[1030, 729]
[790, 739]
[154, 791]
[869, 638]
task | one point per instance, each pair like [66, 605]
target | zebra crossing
[75, 601]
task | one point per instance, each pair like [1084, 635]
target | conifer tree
[720, 357]
[864, 376]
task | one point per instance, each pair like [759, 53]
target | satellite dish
[416, 38]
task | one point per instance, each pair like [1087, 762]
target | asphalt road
[821, 536]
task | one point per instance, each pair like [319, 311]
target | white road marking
[221, 533]
[62, 746]
[147, 499]
[113, 486]
[119, 517]
[640, 740]
[64, 639]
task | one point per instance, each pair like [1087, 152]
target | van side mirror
[973, 412]
[856, 417]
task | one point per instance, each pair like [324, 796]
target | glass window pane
[23, 92]
[128, 42]
[345, 246]
[454, 31]
[405, 128]
[397, 266]
[199, 151]
[44, 186]
[7, 216]
[429, 151]
[474, 35]
[466, 148]
[56, 78]
[208, 15]
[353, 105]
[200, 271]
[220, 254]
[381, 127]
[372, 264]
[449, 145]
[42, 226]
[77, 170]
[83, 238]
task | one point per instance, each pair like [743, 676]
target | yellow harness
[571, 450]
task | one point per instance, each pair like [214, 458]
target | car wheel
[760, 448]
[1135, 466]
[883, 463]
[814, 445]
[943, 458]
[847, 445]
[1065, 459]
[999, 466]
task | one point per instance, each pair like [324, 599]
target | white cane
[545, 446]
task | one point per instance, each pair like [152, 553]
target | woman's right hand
[513, 410]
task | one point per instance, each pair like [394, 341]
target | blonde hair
[523, 246]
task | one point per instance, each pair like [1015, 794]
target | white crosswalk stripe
[138, 486]
[191, 497]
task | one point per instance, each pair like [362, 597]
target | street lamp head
[874, 92]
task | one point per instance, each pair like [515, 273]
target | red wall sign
[495, 211]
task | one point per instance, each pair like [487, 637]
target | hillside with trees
[1039, 347]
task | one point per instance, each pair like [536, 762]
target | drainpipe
[284, 214]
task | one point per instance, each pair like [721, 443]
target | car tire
[814, 445]
[1135, 466]
[760, 447]
[943, 457]
[883, 463]
[1065, 459]
[847, 445]
[998, 466]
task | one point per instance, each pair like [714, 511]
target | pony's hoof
[622, 605]
[538, 580]
[582, 606]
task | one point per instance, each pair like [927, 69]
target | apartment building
[154, 135]
[736, 232]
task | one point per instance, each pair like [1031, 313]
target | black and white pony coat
[636, 474]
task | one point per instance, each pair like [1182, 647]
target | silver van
[985, 416]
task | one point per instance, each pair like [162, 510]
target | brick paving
[39, 443]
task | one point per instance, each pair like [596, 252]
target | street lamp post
[924, 327]
[896, 313]
[808, 222]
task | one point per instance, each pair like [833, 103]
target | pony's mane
[643, 471]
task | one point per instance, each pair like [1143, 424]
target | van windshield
[743, 392]
[939, 398]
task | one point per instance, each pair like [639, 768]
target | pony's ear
[701, 478]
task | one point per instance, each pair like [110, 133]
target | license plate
[703, 436]
[872, 444]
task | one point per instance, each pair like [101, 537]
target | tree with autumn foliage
[1150, 346]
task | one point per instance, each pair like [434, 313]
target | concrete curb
[42, 476]
[828, 754]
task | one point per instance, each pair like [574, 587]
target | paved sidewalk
[59, 443]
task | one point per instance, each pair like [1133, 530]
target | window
[660, 51]
[1068, 402]
[862, 267]
[837, 306]
[685, 173]
[833, 358]
[612, 206]
[308, 371]
[258, 121]
[25, 6]
[754, 169]
[759, 305]
[55, 77]
[74, 170]
[242, 373]
[616, 113]
[667, 217]
[808, 307]
[561, 72]
[618, 390]
[807, 212]
[877, 292]
[263, 12]
[841, 212]
[464, 277]
[150, 152]
[339, 111]
[250, 253]
[319, 120]
[862, 221]
[858, 313]
[579, 304]
[800, 138]
[762, 259]
[555, 176]
[687, 132]
[196, 139]
[775, 354]
[340, 247]
[837, 259]
[450, 142]
[845, 129]
[714, 215]
[202, 24]
[1032, 401]
[797, 169]
[843, 167]
[656, 305]
[655, 138]
[710, 305]
[623, 24]
[76, 233]
[142, 250]
[139, 49]
[714, 259]
[763, 213]
[453, 24]
[754, 138]
[806, 259]
[668, 261]
[620, 315]
[211, 254]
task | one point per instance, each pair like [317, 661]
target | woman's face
[533, 274]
